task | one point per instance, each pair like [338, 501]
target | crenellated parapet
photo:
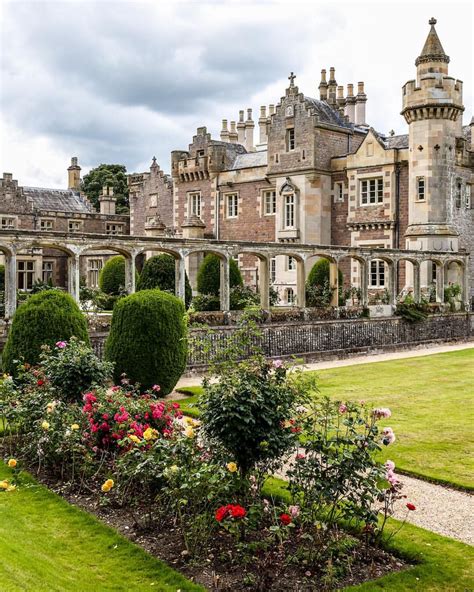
[435, 96]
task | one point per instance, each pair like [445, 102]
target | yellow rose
[189, 432]
[75, 426]
[11, 488]
[150, 434]
[174, 468]
[45, 425]
[50, 407]
[4, 484]
[12, 463]
[107, 486]
[135, 439]
[232, 467]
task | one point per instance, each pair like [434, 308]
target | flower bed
[194, 492]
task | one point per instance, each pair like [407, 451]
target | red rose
[285, 519]
[237, 511]
[411, 507]
[40, 382]
[221, 513]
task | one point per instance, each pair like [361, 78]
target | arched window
[289, 210]
[290, 296]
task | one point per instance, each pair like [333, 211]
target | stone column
[393, 274]
[465, 285]
[73, 276]
[334, 282]
[416, 283]
[264, 282]
[10, 285]
[300, 283]
[364, 282]
[225, 285]
[439, 282]
[130, 270]
[180, 277]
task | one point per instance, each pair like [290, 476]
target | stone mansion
[315, 173]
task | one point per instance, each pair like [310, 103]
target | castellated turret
[432, 107]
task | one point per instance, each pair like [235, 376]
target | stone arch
[258, 275]
[194, 258]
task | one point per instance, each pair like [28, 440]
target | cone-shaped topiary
[160, 272]
[112, 275]
[147, 339]
[208, 277]
[319, 274]
[45, 318]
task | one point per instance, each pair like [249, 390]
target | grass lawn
[47, 545]
[432, 404]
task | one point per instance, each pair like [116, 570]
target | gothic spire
[432, 50]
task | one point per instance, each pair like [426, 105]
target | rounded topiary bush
[147, 339]
[46, 318]
[160, 272]
[209, 273]
[112, 276]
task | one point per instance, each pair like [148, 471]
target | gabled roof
[57, 200]
[326, 114]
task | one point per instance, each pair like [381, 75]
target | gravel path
[440, 509]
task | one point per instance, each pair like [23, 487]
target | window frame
[118, 228]
[421, 180]
[377, 271]
[339, 191]
[289, 207]
[273, 270]
[94, 271]
[272, 203]
[232, 209]
[290, 301]
[49, 221]
[25, 274]
[7, 226]
[49, 272]
[79, 225]
[365, 195]
[290, 139]
[194, 203]
[290, 263]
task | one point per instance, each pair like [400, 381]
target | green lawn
[47, 545]
[432, 404]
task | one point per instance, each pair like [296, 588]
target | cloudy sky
[119, 82]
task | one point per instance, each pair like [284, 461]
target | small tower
[74, 175]
[432, 107]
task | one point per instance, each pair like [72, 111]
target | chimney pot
[249, 114]
[241, 115]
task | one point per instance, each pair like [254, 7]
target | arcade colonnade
[15, 242]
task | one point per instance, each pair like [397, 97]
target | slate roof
[326, 114]
[251, 159]
[57, 200]
[399, 142]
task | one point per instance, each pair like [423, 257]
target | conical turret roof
[432, 50]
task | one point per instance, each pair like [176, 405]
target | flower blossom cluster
[230, 510]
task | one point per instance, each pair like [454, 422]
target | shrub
[208, 277]
[319, 274]
[112, 276]
[72, 368]
[147, 339]
[2, 278]
[251, 413]
[160, 272]
[47, 317]
[206, 302]
[243, 296]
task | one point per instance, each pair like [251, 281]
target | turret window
[289, 210]
[420, 188]
[371, 191]
[194, 204]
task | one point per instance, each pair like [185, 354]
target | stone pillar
[180, 278]
[393, 285]
[130, 270]
[193, 227]
[264, 282]
[73, 276]
[334, 282]
[10, 285]
[364, 282]
[225, 285]
[465, 285]
[439, 282]
[300, 283]
[416, 283]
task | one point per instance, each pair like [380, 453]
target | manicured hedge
[45, 318]
[160, 272]
[208, 278]
[147, 339]
[112, 276]
[319, 274]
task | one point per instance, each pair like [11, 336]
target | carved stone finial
[291, 78]
[432, 21]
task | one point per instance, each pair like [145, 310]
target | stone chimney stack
[224, 131]
[332, 86]
[361, 100]
[271, 110]
[233, 136]
[74, 175]
[107, 200]
[349, 109]
[241, 128]
[341, 101]
[323, 87]
[249, 127]
[262, 125]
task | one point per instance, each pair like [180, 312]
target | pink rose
[61, 344]
[277, 363]
[342, 408]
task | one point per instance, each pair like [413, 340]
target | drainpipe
[217, 207]
[396, 237]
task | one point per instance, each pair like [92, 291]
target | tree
[147, 339]
[208, 278]
[112, 175]
[44, 319]
[160, 272]
[319, 274]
